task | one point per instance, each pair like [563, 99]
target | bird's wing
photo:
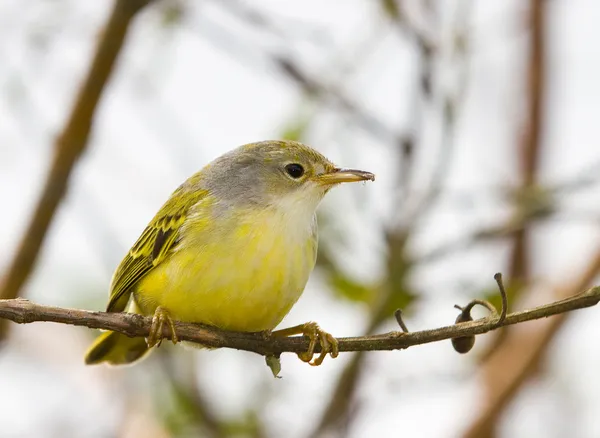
[153, 246]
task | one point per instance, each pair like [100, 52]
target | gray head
[274, 173]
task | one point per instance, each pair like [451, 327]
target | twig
[464, 344]
[69, 146]
[194, 407]
[336, 412]
[467, 309]
[504, 311]
[531, 150]
[313, 86]
[310, 84]
[398, 316]
[23, 312]
[517, 359]
[275, 25]
[483, 235]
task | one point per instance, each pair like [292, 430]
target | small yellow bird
[232, 247]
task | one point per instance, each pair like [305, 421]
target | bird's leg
[311, 330]
[161, 315]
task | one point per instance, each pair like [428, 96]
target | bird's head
[276, 173]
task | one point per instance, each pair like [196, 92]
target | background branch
[509, 367]
[398, 290]
[69, 146]
[530, 151]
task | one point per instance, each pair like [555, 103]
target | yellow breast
[243, 273]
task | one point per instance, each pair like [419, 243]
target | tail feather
[116, 349]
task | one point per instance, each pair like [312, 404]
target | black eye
[294, 170]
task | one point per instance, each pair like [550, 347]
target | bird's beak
[337, 176]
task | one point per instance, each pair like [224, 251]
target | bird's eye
[294, 170]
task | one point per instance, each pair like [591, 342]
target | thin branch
[400, 321]
[182, 382]
[498, 278]
[279, 26]
[531, 146]
[310, 84]
[464, 344]
[313, 86]
[517, 359]
[531, 153]
[69, 145]
[335, 415]
[23, 312]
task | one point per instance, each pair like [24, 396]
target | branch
[23, 312]
[69, 145]
[310, 84]
[399, 262]
[518, 358]
[531, 146]
[531, 151]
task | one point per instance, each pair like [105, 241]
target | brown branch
[531, 144]
[531, 148]
[23, 312]
[69, 146]
[335, 415]
[312, 85]
[192, 403]
[309, 84]
[517, 358]
[400, 262]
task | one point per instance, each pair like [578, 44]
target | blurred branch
[392, 293]
[396, 10]
[399, 261]
[69, 146]
[531, 205]
[23, 311]
[493, 232]
[531, 144]
[517, 359]
[279, 26]
[536, 76]
[451, 102]
[531, 149]
[310, 84]
[426, 49]
[189, 405]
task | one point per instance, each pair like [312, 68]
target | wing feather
[154, 245]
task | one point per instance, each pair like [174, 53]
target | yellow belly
[245, 280]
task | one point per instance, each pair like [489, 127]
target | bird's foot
[329, 345]
[161, 316]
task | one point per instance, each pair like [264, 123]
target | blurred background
[480, 120]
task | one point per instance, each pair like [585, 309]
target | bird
[232, 247]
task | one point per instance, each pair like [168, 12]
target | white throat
[297, 211]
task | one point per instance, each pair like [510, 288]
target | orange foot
[161, 316]
[329, 345]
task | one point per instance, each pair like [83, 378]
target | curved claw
[161, 315]
[328, 344]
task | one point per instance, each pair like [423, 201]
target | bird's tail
[116, 349]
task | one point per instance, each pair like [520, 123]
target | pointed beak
[344, 175]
